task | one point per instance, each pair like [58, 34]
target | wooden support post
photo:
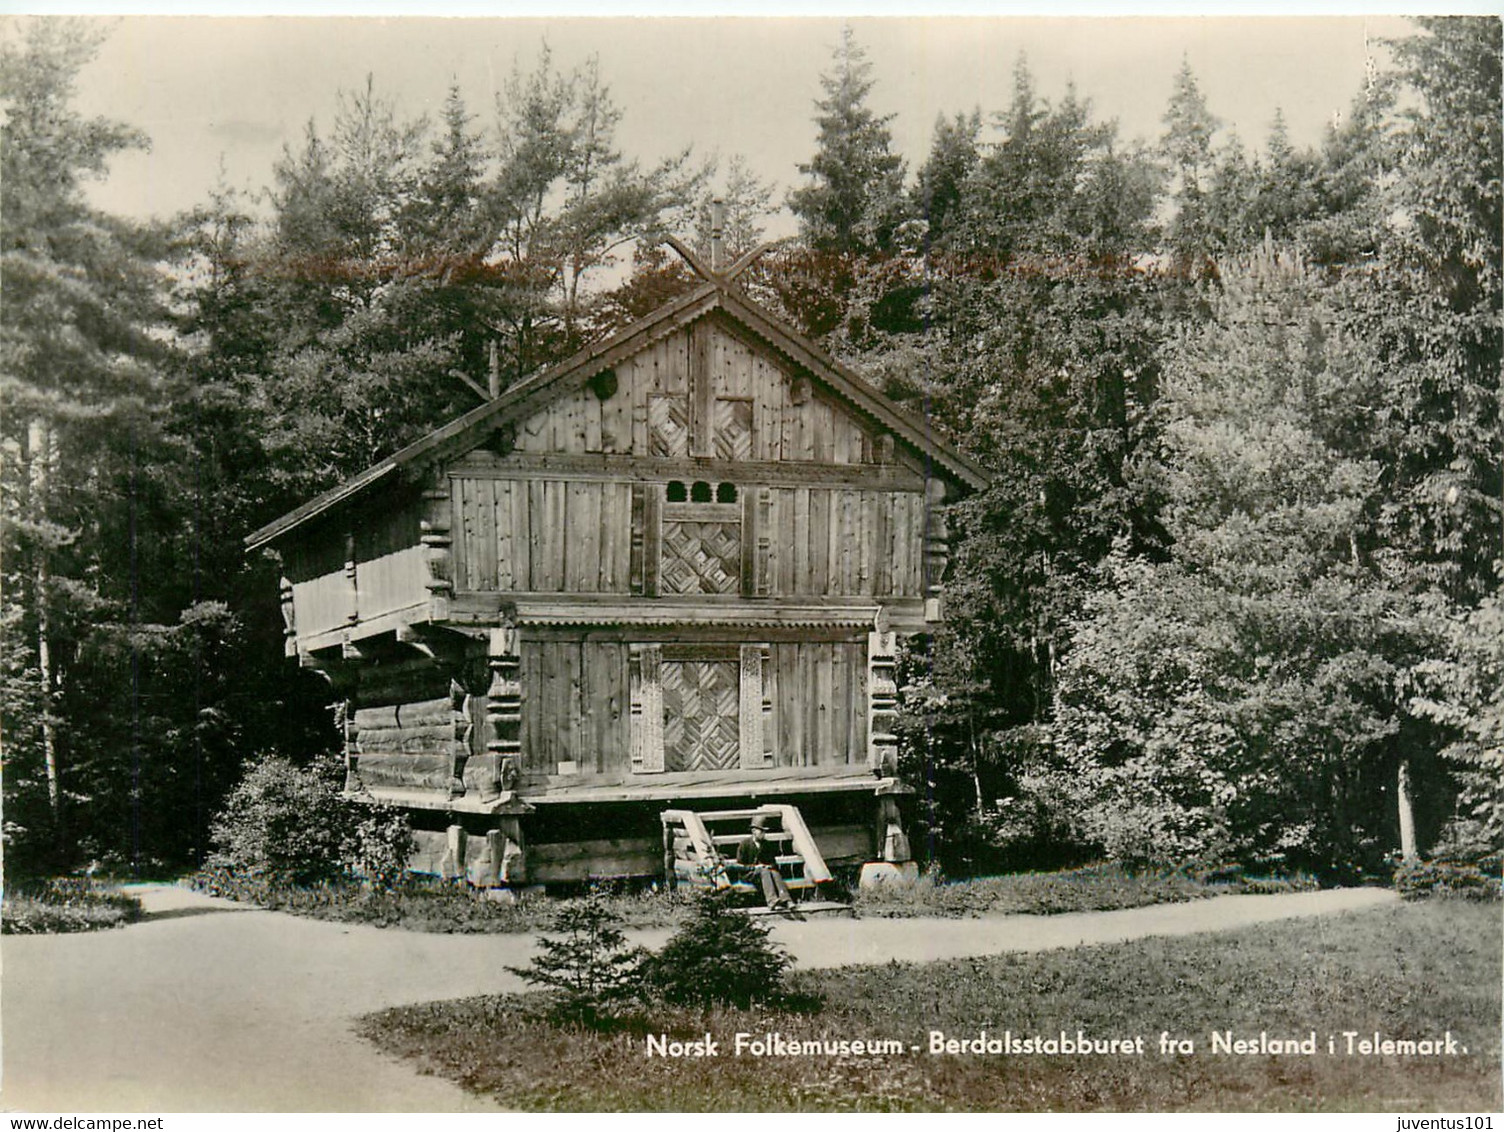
[459, 738]
[434, 536]
[345, 717]
[936, 547]
[484, 871]
[646, 709]
[670, 872]
[892, 842]
[750, 720]
[513, 869]
[452, 864]
[504, 711]
[289, 619]
[882, 701]
[352, 587]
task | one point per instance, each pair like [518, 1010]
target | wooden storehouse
[662, 578]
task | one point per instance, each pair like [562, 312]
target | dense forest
[1233, 597]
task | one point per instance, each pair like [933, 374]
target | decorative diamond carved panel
[668, 426]
[701, 725]
[701, 558]
[732, 423]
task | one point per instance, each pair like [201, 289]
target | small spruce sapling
[587, 963]
[721, 956]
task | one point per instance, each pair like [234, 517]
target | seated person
[759, 857]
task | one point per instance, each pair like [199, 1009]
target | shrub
[291, 825]
[65, 905]
[1090, 889]
[1416, 880]
[721, 956]
[590, 967]
[380, 844]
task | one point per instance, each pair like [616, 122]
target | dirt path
[209, 1007]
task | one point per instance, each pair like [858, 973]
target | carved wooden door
[701, 720]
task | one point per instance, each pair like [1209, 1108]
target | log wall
[410, 746]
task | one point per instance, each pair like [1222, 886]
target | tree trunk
[39, 441]
[976, 769]
[1407, 813]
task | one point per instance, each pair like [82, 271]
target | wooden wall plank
[847, 533]
[838, 711]
[800, 571]
[616, 411]
[609, 519]
[521, 537]
[462, 532]
[537, 540]
[644, 382]
[652, 537]
[582, 526]
[592, 408]
[506, 546]
[555, 505]
[857, 698]
[619, 723]
[835, 546]
[821, 729]
[528, 674]
[823, 421]
[483, 554]
[818, 581]
[867, 520]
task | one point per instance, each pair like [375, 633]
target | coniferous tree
[1186, 145]
[955, 151]
[853, 202]
[79, 400]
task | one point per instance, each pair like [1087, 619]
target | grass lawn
[1412, 971]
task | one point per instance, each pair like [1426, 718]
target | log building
[663, 577]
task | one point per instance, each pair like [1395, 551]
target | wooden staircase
[697, 847]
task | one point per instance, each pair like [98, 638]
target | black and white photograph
[797, 560]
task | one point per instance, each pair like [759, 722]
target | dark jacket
[750, 852]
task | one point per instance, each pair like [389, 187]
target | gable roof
[471, 429]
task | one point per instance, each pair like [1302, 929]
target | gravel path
[209, 1007]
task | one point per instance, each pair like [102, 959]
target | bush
[590, 968]
[1091, 889]
[291, 825]
[66, 905]
[379, 845]
[1416, 880]
[720, 957]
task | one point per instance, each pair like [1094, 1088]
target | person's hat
[759, 821]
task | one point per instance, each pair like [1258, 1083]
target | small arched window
[725, 493]
[677, 492]
[700, 492]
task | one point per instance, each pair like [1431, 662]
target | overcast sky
[234, 91]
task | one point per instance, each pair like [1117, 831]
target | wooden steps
[693, 854]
